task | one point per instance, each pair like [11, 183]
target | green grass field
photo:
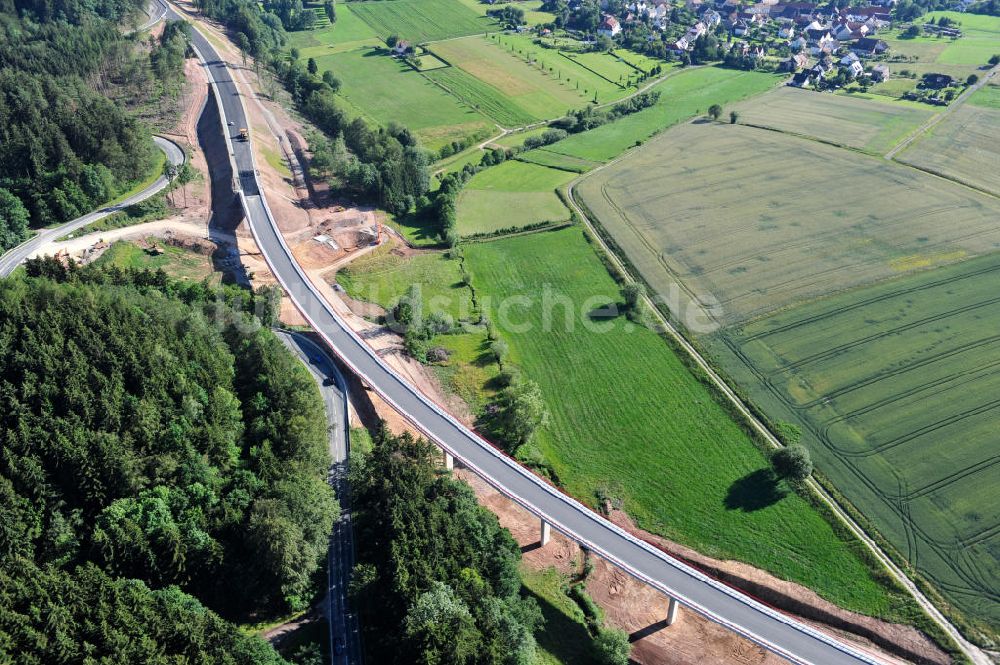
[683, 95]
[175, 261]
[482, 97]
[570, 73]
[347, 33]
[420, 21]
[627, 416]
[532, 10]
[509, 89]
[896, 389]
[513, 194]
[965, 146]
[857, 123]
[557, 160]
[385, 89]
[728, 215]
[610, 67]
[383, 275]
[980, 39]
[987, 97]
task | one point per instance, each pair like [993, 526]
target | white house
[711, 18]
[609, 27]
[855, 69]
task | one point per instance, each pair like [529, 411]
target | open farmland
[349, 32]
[561, 68]
[386, 89]
[503, 84]
[720, 212]
[684, 94]
[857, 123]
[896, 388]
[514, 194]
[980, 38]
[956, 57]
[965, 146]
[533, 14]
[630, 419]
[420, 21]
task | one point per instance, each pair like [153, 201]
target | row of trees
[382, 164]
[158, 442]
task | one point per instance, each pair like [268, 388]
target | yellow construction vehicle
[244, 134]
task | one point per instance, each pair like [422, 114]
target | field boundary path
[14, 256]
[935, 119]
[344, 633]
[769, 628]
[971, 651]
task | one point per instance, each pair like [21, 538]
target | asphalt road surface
[16, 255]
[771, 629]
[345, 635]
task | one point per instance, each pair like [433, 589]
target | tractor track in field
[969, 650]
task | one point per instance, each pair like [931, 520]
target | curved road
[16, 255]
[772, 630]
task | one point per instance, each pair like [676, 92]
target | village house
[786, 31]
[402, 47]
[711, 18]
[869, 47]
[741, 28]
[854, 69]
[880, 73]
[795, 63]
[798, 43]
[609, 27]
[802, 79]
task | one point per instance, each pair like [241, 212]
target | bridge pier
[546, 534]
[672, 610]
[449, 461]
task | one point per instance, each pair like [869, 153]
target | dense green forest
[71, 87]
[157, 446]
[437, 578]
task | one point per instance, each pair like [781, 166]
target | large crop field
[682, 95]
[857, 123]
[503, 84]
[965, 146]
[896, 387]
[514, 194]
[630, 419]
[420, 21]
[385, 89]
[723, 213]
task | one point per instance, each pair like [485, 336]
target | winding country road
[773, 630]
[14, 257]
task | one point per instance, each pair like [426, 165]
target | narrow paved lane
[345, 634]
[16, 255]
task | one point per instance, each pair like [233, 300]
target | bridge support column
[546, 534]
[449, 461]
[672, 610]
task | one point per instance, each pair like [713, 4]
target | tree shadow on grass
[755, 491]
[606, 311]
[561, 636]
